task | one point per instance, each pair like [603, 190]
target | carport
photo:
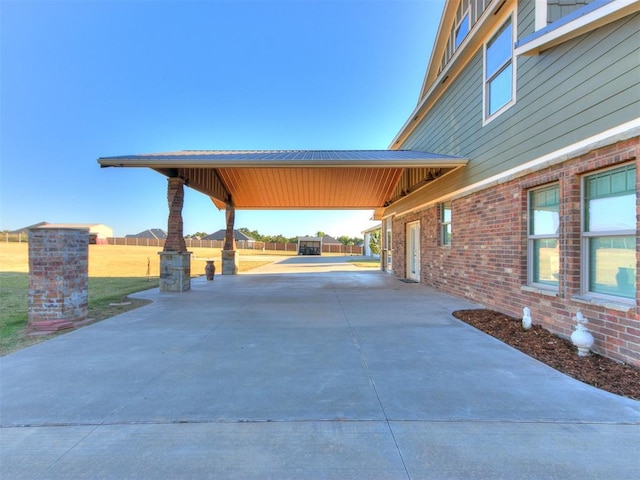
[280, 179]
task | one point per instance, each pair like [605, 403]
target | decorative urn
[581, 337]
[210, 269]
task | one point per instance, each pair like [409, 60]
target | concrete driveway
[311, 368]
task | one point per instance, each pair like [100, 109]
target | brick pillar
[175, 261]
[570, 239]
[229, 254]
[175, 235]
[58, 278]
[229, 237]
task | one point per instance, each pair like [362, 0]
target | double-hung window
[498, 71]
[609, 233]
[445, 223]
[543, 250]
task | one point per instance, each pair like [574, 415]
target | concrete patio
[308, 368]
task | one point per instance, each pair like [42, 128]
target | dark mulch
[556, 352]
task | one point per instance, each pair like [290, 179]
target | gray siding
[564, 95]
[556, 9]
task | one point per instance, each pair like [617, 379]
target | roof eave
[163, 163]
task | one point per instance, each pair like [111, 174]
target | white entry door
[413, 251]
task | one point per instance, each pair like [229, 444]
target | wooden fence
[240, 244]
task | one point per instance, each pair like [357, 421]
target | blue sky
[86, 79]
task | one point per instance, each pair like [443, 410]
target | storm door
[413, 251]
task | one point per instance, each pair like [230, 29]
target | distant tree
[320, 233]
[344, 239]
[253, 234]
[374, 242]
[278, 239]
[196, 235]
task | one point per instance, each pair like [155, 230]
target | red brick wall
[487, 261]
[58, 278]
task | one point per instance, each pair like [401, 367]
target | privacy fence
[240, 244]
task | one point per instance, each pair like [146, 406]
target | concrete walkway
[324, 371]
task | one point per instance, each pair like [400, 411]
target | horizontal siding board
[595, 76]
[582, 93]
[526, 18]
[456, 114]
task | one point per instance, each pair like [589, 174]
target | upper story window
[609, 233]
[543, 250]
[466, 15]
[499, 71]
[462, 30]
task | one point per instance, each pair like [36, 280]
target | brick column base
[175, 271]
[58, 279]
[229, 262]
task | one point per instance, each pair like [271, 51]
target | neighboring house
[329, 240]
[543, 99]
[366, 244]
[152, 233]
[98, 232]
[239, 236]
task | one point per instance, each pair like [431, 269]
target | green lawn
[367, 263]
[103, 291]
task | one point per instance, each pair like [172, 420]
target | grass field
[129, 261]
[114, 273]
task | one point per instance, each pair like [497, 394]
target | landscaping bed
[558, 353]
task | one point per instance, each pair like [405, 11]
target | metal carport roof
[297, 179]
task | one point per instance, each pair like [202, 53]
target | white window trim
[389, 247]
[584, 247]
[541, 7]
[443, 224]
[530, 240]
[486, 118]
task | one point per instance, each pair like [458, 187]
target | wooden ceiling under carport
[298, 179]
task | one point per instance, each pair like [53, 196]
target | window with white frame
[445, 223]
[499, 71]
[609, 233]
[543, 250]
[462, 29]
